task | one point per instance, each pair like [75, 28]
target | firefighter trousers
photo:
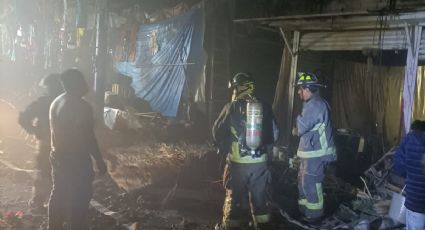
[246, 194]
[310, 194]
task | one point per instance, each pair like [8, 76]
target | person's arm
[92, 141]
[306, 120]
[27, 117]
[399, 167]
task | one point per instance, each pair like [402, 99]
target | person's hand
[295, 131]
[101, 166]
[294, 162]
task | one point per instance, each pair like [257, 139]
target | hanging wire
[381, 26]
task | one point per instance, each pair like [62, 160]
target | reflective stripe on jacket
[315, 130]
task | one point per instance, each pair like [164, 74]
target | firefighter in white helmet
[316, 148]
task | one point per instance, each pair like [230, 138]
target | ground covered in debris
[162, 178]
[153, 183]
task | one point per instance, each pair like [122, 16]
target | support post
[101, 55]
[413, 35]
[280, 103]
[288, 46]
[291, 83]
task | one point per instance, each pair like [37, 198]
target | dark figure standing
[35, 120]
[246, 177]
[73, 145]
[408, 163]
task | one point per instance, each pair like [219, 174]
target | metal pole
[101, 55]
[292, 77]
[211, 88]
[288, 46]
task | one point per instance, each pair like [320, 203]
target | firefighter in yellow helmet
[316, 148]
[243, 132]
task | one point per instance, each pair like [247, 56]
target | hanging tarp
[362, 99]
[419, 102]
[368, 100]
[161, 71]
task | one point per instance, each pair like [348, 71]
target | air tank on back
[254, 125]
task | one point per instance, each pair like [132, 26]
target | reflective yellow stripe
[319, 126]
[235, 153]
[302, 202]
[325, 150]
[262, 218]
[235, 156]
[308, 78]
[317, 153]
[233, 132]
[232, 223]
[319, 204]
[302, 77]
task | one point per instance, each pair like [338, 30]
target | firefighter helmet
[308, 80]
[241, 79]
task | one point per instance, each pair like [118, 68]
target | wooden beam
[291, 84]
[286, 41]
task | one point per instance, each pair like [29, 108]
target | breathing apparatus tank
[254, 125]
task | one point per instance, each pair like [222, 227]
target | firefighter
[73, 146]
[246, 176]
[316, 147]
[35, 120]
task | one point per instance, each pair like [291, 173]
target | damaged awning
[352, 31]
[348, 31]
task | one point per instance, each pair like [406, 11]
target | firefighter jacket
[315, 130]
[229, 132]
[408, 163]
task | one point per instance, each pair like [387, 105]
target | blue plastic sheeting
[160, 72]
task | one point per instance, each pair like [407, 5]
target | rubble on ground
[135, 167]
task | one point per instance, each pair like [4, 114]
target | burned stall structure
[152, 126]
[160, 73]
[369, 63]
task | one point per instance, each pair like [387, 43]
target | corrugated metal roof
[358, 40]
[349, 31]
[354, 40]
[340, 21]
[422, 47]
